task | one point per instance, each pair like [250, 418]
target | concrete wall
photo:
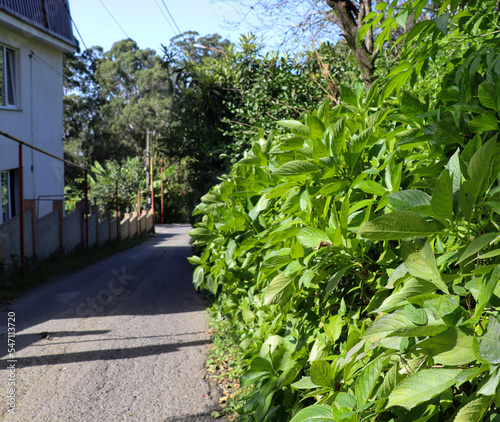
[9, 237]
[150, 221]
[143, 224]
[92, 230]
[104, 231]
[113, 229]
[125, 229]
[48, 235]
[72, 231]
[133, 226]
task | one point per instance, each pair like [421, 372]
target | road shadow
[105, 354]
[197, 417]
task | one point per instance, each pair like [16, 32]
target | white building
[34, 34]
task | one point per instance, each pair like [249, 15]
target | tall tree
[113, 98]
[139, 91]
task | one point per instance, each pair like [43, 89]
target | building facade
[34, 34]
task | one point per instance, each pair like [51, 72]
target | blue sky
[144, 22]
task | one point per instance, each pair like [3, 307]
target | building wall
[38, 117]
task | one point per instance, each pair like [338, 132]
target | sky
[147, 21]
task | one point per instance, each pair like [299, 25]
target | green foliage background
[356, 253]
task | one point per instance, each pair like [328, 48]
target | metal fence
[50, 15]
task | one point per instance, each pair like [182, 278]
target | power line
[110, 14]
[171, 17]
[179, 32]
[165, 16]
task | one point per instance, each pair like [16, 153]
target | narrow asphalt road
[122, 340]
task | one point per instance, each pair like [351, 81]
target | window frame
[10, 77]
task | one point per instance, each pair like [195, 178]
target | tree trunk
[350, 19]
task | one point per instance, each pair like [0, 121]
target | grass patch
[224, 365]
[37, 273]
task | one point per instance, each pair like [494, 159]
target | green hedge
[357, 257]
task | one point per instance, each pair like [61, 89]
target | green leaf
[417, 29]
[422, 264]
[442, 305]
[198, 277]
[332, 283]
[395, 83]
[322, 374]
[296, 126]
[346, 400]
[305, 202]
[260, 364]
[479, 170]
[315, 413]
[442, 23]
[451, 347]
[485, 122]
[348, 95]
[412, 287]
[304, 384]
[275, 262]
[456, 172]
[442, 197]
[279, 290]
[311, 237]
[422, 386]
[295, 168]
[368, 379]
[316, 127]
[251, 378]
[488, 95]
[474, 410]
[370, 187]
[391, 379]
[490, 388]
[416, 315]
[333, 328]
[408, 199]
[395, 226]
[194, 260]
[447, 132]
[489, 342]
[418, 331]
[410, 104]
[385, 325]
[488, 286]
[477, 244]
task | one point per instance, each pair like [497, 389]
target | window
[7, 77]
[9, 183]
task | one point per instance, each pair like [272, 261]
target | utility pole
[147, 165]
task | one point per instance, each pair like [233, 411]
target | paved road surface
[122, 340]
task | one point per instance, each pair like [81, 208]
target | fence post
[161, 176]
[152, 195]
[117, 214]
[139, 212]
[59, 206]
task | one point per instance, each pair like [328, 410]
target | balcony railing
[50, 15]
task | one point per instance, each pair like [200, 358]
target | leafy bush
[357, 254]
